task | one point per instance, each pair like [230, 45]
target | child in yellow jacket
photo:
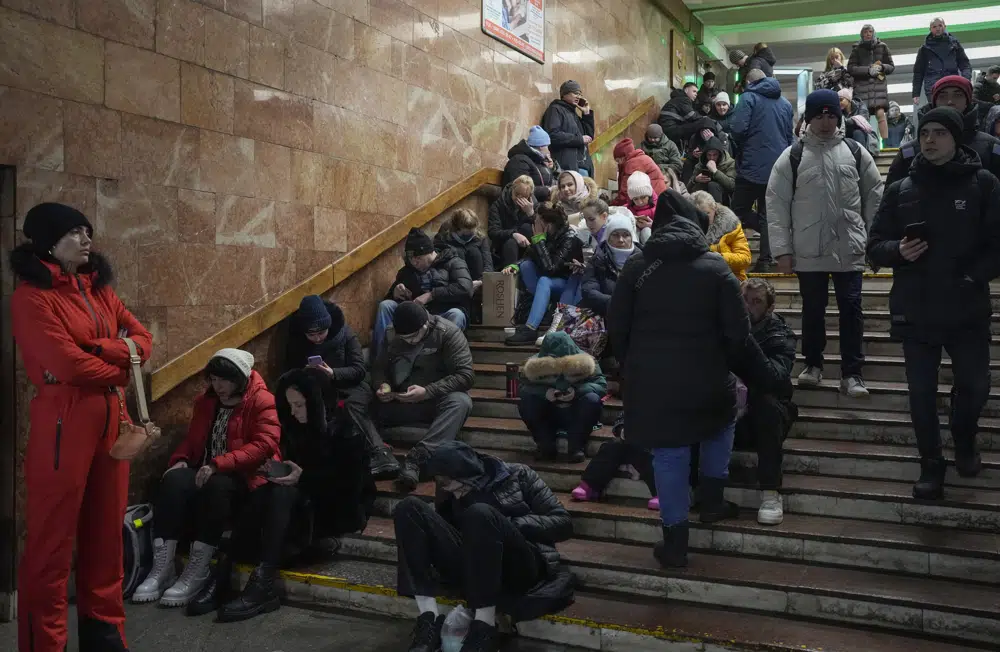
[725, 233]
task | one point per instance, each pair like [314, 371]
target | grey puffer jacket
[823, 222]
[871, 91]
[441, 363]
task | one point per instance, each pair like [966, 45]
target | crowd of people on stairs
[646, 293]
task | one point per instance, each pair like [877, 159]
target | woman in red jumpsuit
[67, 322]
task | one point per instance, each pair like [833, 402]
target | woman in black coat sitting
[323, 489]
[553, 263]
[491, 534]
[607, 262]
[678, 325]
[510, 218]
[318, 329]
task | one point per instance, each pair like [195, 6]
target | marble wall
[226, 149]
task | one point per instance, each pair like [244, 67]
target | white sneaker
[854, 387]
[811, 376]
[772, 511]
[196, 573]
[162, 574]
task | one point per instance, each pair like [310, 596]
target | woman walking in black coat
[678, 325]
[869, 64]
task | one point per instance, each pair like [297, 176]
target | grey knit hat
[735, 56]
[570, 86]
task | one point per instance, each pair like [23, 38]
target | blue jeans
[584, 172]
[541, 289]
[544, 419]
[383, 319]
[672, 467]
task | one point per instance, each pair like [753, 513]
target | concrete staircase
[857, 565]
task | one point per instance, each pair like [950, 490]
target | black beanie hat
[312, 314]
[418, 243]
[45, 224]
[823, 101]
[408, 318]
[708, 75]
[948, 118]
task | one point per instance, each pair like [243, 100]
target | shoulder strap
[855, 148]
[137, 380]
[908, 151]
[795, 158]
[652, 267]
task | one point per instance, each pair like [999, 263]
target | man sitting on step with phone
[821, 198]
[423, 375]
[319, 337]
[939, 231]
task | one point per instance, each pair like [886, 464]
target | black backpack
[795, 158]
[137, 550]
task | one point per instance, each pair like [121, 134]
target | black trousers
[509, 253]
[764, 429]
[611, 455]
[745, 196]
[211, 507]
[815, 291]
[265, 523]
[485, 556]
[970, 362]
[357, 400]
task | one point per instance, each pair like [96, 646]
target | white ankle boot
[162, 574]
[196, 573]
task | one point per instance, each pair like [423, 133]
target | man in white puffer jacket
[818, 220]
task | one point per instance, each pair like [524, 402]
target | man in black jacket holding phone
[570, 132]
[939, 230]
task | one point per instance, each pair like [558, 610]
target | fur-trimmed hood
[46, 274]
[575, 367]
[725, 222]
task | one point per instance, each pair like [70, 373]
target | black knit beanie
[408, 318]
[45, 224]
[312, 314]
[418, 243]
[948, 118]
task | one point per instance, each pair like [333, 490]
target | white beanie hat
[620, 222]
[722, 97]
[243, 360]
[639, 185]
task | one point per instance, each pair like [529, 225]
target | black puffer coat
[987, 90]
[341, 350]
[553, 254]
[599, 279]
[871, 91]
[450, 283]
[777, 343]
[947, 288]
[763, 60]
[475, 252]
[524, 498]
[680, 121]
[505, 219]
[523, 159]
[987, 147]
[566, 129]
[333, 455]
[679, 326]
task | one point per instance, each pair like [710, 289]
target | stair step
[918, 605]
[876, 321]
[602, 621]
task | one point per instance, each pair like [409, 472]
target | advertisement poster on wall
[518, 23]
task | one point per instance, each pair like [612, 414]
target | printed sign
[518, 23]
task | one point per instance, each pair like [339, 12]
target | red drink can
[513, 370]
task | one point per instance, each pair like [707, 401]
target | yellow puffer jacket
[726, 237]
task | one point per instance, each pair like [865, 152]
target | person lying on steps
[491, 535]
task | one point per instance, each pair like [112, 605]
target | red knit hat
[624, 148]
[955, 81]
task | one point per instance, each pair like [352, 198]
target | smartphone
[582, 102]
[916, 231]
[314, 361]
[276, 469]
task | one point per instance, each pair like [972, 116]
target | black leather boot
[217, 589]
[968, 461]
[713, 504]
[672, 551]
[259, 596]
[99, 636]
[930, 486]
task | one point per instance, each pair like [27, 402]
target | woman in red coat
[234, 430]
[632, 160]
[68, 322]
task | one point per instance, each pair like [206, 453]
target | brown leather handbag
[134, 439]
